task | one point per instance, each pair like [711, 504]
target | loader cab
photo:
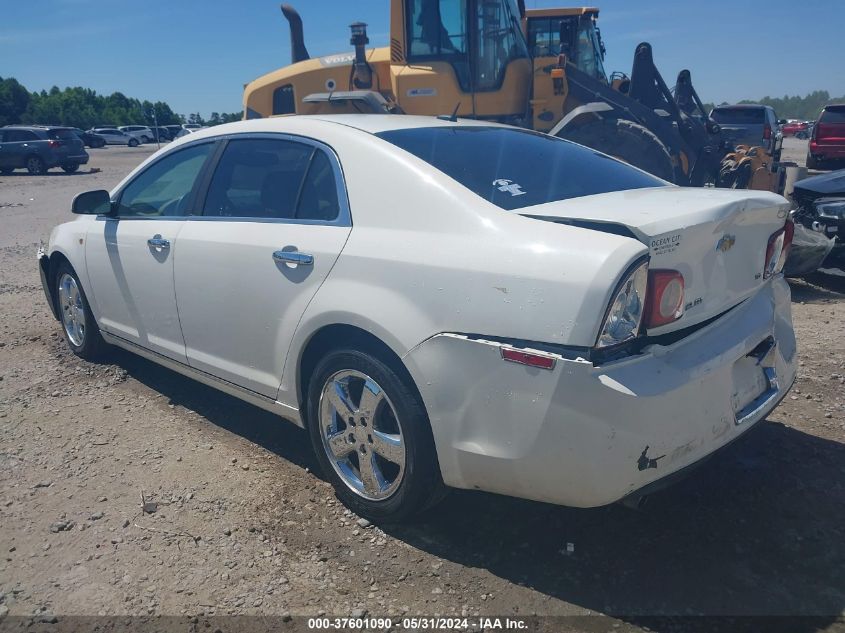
[571, 32]
[480, 39]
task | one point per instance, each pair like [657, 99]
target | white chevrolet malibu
[441, 303]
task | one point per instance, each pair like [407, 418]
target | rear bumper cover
[582, 435]
[825, 151]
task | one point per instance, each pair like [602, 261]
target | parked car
[161, 133]
[89, 138]
[173, 130]
[438, 302]
[38, 148]
[141, 132]
[750, 124]
[821, 205]
[827, 141]
[113, 136]
[798, 129]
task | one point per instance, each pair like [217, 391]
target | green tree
[14, 100]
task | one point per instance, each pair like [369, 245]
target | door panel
[130, 257]
[239, 306]
[133, 282]
[272, 199]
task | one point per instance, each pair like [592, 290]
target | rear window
[67, 134]
[739, 116]
[833, 114]
[514, 169]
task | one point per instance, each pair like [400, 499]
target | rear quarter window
[514, 169]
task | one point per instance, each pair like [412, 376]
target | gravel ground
[238, 523]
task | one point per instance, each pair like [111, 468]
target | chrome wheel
[362, 435]
[73, 311]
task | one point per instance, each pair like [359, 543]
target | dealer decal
[665, 244]
[422, 92]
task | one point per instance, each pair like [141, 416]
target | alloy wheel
[362, 435]
[72, 309]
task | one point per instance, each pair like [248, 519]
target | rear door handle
[157, 241]
[294, 257]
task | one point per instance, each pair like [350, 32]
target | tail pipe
[298, 52]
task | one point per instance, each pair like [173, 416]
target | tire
[812, 162]
[78, 324]
[409, 479]
[6, 170]
[627, 141]
[35, 166]
[133, 142]
[70, 167]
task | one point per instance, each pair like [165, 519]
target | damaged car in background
[819, 222]
[442, 303]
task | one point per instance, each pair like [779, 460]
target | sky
[197, 56]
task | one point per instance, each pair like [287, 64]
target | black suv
[38, 148]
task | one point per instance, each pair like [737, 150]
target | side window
[318, 200]
[268, 178]
[164, 188]
[20, 136]
[283, 100]
[437, 27]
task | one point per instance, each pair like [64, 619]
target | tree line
[84, 108]
[806, 108]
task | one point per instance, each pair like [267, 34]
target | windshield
[514, 168]
[738, 116]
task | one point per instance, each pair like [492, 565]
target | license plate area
[754, 381]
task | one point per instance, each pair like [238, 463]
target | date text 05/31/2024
[416, 624]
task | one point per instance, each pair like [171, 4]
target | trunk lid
[716, 238]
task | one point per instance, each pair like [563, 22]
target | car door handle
[293, 257]
[157, 241]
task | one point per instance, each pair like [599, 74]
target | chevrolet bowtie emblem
[725, 243]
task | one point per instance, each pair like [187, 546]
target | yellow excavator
[493, 59]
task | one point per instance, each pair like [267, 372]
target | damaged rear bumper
[582, 435]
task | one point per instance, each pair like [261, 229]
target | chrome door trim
[293, 257]
[286, 411]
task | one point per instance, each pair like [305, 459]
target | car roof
[369, 123]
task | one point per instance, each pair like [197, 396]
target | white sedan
[113, 136]
[441, 302]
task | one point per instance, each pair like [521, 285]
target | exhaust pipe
[298, 52]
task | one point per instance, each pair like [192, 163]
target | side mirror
[781, 121]
[95, 202]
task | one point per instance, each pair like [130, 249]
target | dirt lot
[244, 526]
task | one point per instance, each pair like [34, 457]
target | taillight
[767, 132]
[665, 297]
[778, 249]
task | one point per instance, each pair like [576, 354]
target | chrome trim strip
[286, 411]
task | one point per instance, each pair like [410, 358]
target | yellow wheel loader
[495, 60]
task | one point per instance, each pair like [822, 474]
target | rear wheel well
[340, 336]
